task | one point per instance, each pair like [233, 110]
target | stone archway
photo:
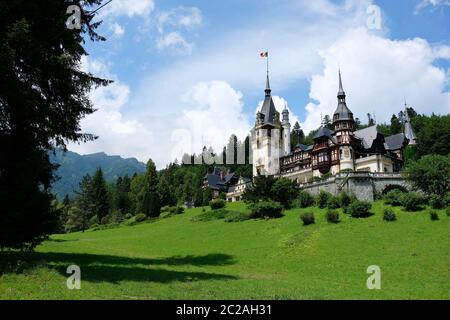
[391, 187]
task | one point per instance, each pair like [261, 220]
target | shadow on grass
[113, 269]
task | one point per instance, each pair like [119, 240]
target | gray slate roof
[323, 132]
[367, 136]
[394, 142]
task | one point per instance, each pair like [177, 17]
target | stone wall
[365, 186]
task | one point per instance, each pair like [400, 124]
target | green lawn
[176, 258]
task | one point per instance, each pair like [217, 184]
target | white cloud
[378, 73]
[431, 3]
[180, 17]
[130, 8]
[176, 42]
[213, 111]
[117, 30]
[173, 26]
[118, 135]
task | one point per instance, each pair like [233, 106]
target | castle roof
[367, 136]
[268, 108]
[323, 132]
[394, 142]
[342, 111]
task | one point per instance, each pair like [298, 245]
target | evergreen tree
[396, 125]
[166, 192]
[327, 122]
[43, 97]
[151, 203]
[99, 196]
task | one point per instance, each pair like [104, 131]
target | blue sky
[188, 73]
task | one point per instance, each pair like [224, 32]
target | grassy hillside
[176, 258]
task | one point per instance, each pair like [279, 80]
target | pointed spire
[268, 91]
[341, 87]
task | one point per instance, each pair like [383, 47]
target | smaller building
[231, 184]
[235, 192]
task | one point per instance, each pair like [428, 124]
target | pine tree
[99, 196]
[396, 125]
[43, 97]
[151, 203]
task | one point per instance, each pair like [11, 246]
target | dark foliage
[307, 218]
[217, 204]
[360, 209]
[389, 215]
[266, 209]
[332, 216]
[43, 97]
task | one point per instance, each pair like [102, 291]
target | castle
[343, 149]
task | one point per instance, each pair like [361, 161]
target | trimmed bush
[266, 209]
[322, 199]
[433, 215]
[332, 216]
[437, 202]
[412, 201]
[360, 209]
[389, 215]
[394, 198]
[140, 217]
[307, 218]
[345, 199]
[217, 204]
[235, 216]
[176, 210]
[305, 199]
[211, 215]
[333, 203]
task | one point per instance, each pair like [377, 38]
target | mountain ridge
[73, 167]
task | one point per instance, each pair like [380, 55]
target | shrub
[266, 209]
[412, 201]
[283, 191]
[305, 199]
[105, 220]
[211, 215]
[322, 199]
[433, 215]
[332, 216]
[389, 215]
[345, 199]
[437, 202]
[176, 210]
[128, 216]
[217, 204]
[165, 209]
[165, 215]
[235, 216]
[360, 209]
[223, 196]
[333, 203]
[140, 217]
[307, 218]
[394, 198]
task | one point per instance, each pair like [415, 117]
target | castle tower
[266, 140]
[286, 134]
[344, 127]
[409, 132]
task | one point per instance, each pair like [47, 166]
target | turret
[286, 125]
